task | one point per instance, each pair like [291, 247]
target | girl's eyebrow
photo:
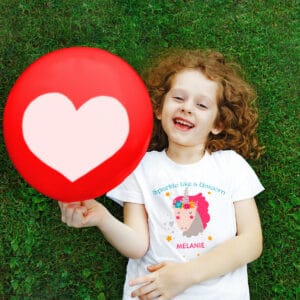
[178, 90]
[205, 98]
[199, 97]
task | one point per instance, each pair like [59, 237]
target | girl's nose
[187, 106]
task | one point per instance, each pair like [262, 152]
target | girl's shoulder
[228, 159]
[231, 164]
[226, 155]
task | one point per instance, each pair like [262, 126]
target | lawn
[41, 258]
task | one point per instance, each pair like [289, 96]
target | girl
[190, 219]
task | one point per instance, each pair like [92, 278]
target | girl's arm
[170, 279]
[130, 238]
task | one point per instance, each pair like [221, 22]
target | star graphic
[169, 238]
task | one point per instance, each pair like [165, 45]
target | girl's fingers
[69, 216]
[62, 207]
[69, 211]
[154, 294]
[74, 214]
[142, 280]
[78, 216]
[156, 267]
[147, 289]
[90, 203]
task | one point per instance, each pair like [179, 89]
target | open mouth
[183, 124]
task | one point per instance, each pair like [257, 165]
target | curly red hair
[237, 114]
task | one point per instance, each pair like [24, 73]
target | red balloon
[77, 122]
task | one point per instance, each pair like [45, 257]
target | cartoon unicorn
[191, 213]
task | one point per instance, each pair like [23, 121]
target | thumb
[88, 217]
[156, 267]
[90, 203]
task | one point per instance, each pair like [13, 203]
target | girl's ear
[217, 129]
[158, 114]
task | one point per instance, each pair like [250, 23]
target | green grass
[42, 258]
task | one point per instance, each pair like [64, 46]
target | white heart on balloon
[74, 141]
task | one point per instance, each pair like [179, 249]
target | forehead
[191, 78]
[195, 82]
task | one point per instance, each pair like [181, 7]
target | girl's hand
[82, 214]
[166, 280]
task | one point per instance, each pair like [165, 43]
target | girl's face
[189, 110]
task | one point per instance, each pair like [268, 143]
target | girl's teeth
[184, 123]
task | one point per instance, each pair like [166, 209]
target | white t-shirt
[190, 211]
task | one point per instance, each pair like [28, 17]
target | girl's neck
[185, 155]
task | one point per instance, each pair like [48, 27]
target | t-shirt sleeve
[244, 181]
[127, 191]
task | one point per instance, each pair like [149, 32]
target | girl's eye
[178, 98]
[202, 105]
